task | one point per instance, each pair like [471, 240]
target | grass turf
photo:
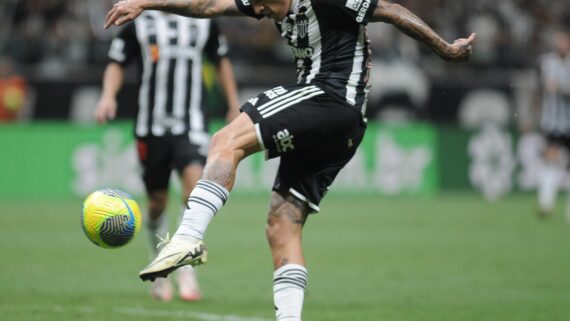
[453, 257]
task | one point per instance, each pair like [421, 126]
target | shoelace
[163, 241]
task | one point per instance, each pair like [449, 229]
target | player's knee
[155, 210]
[156, 205]
[225, 146]
[280, 230]
[275, 232]
[222, 141]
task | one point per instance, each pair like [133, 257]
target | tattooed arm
[414, 27]
[127, 10]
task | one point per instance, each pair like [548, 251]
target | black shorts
[314, 134]
[558, 140]
[160, 155]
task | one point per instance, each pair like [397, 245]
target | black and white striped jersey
[555, 106]
[329, 44]
[169, 50]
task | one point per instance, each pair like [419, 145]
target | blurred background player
[12, 91]
[555, 119]
[171, 125]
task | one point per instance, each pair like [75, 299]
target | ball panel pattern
[116, 230]
[110, 218]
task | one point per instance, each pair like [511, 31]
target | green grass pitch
[453, 257]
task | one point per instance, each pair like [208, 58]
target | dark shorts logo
[283, 141]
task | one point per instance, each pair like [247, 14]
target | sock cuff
[287, 267]
[214, 188]
[290, 275]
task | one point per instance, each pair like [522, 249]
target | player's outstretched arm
[228, 82]
[127, 10]
[413, 26]
[106, 108]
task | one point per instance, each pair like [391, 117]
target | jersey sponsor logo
[353, 4]
[283, 141]
[275, 92]
[166, 121]
[302, 23]
[302, 53]
[362, 12]
[183, 52]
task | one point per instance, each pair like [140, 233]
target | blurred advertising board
[62, 160]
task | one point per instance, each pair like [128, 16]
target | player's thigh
[186, 152]
[557, 146]
[155, 157]
[296, 118]
[189, 157]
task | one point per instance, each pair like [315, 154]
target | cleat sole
[151, 276]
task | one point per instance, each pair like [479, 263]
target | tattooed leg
[284, 224]
[228, 147]
[287, 216]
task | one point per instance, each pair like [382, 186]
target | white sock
[289, 283]
[550, 178]
[156, 227]
[204, 202]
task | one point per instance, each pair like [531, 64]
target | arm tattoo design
[193, 8]
[411, 25]
[199, 8]
[232, 10]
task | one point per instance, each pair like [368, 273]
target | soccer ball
[110, 218]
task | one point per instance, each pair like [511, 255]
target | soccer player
[171, 126]
[314, 126]
[555, 119]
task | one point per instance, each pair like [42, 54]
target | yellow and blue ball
[110, 218]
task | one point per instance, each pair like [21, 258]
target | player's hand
[106, 110]
[123, 12]
[460, 49]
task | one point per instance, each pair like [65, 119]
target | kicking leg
[228, 147]
[287, 216]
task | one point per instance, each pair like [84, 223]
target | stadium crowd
[65, 39]
[511, 33]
